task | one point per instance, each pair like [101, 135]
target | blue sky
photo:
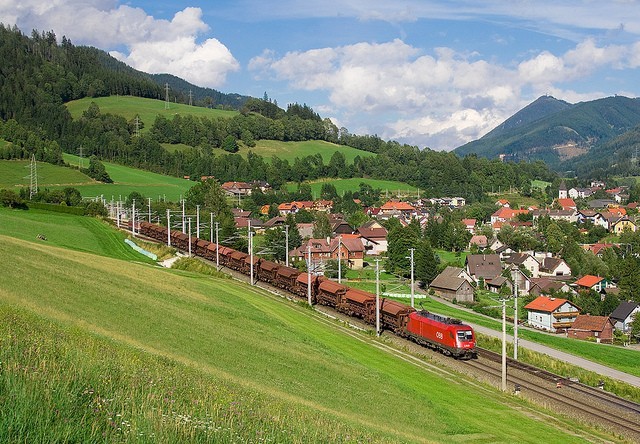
[430, 73]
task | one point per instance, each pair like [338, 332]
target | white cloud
[457, 97]
[153, 45]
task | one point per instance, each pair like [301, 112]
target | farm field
[389, 188]
[193, 358]
[147, 109]
[127, 180]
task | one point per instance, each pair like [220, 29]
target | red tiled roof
[588, 280]
[567, 203]
[545, 304]
[397, 206]
[590, 323]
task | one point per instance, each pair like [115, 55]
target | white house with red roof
[470, 225]
[551, 314]
[595, 283]
[505, 214]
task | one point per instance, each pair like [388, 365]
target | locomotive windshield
[465, 335]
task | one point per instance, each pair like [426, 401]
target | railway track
[592, 405]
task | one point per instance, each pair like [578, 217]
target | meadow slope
[252, 344]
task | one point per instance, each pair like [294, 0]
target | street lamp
[286, 253]
[377, 297]
[339, 259]
[412, 281]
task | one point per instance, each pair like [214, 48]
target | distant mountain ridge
[556, 131]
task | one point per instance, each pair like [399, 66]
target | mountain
[556, 131]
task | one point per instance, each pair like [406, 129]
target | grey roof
[485, 266]
[551, 263]
[600, 203]
[624, 310]
[447, 282]
[517, 258]
[497, 281]
[452, 271]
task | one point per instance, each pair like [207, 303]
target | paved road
[560, 355]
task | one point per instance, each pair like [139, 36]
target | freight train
[449, 336]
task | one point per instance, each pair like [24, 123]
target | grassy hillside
[77, 233]
[388, 187]
[127, 179]
[290, 150]
[193, 359]
[147, 109]
[15, 173]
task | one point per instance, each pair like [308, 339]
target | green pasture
[194, 359]
[389, 188]
[15, 174]
[290, 150]
[455, 259]
[516, 200]
[86, 234]
[147, 109]
[127, 179]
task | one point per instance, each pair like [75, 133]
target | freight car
[286, 278]
[330, 293]
[449, 336]
[267, 271]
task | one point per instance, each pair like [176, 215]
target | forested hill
[200, 96]
[40, 75]
[562, 132]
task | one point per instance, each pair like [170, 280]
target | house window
[595, 333]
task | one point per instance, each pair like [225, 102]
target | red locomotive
[449, 336]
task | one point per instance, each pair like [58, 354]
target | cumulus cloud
[151, 45]
[458, 97]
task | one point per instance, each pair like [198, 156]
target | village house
[553, 266]
[453, 285]
[580, 193]
[483, 266]
[236, 189]
[587, 326]
[567, 204]
[624, 314]
[396, 208]
[590, 282]
[349, 249]
[293, 207]
[621, 225]
[524, 260]
[506, 214]
[545, 285]
[480, 240]
[374, 237]
[469, 224]
[551, 314]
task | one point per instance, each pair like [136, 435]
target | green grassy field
[147, 109]
[290, 150]
[127, 179]
[199, 359]
[389, 188]
[84, 234]
[15, 174]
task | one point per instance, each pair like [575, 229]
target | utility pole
[504, 345]
[339, 259]
[286, 241]
[217, 249]
[189, 237]
[198, 221]
[412, 281]
[377, 297]
[515, 319]
[149, 205]
[184, 228]
[133, 218]
[250, 233]
[211, 228]
[168, 227]
[309, 274]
